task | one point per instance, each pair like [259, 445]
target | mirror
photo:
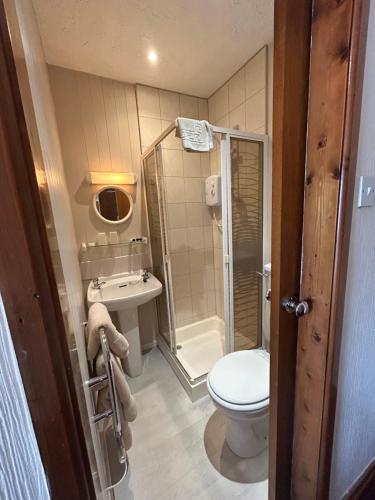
[113, 204]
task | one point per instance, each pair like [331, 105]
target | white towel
[100, 318]
[196, 135]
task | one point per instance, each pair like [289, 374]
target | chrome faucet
[97, 284]
[145, 276]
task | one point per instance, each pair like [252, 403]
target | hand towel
[100, 318]
[196, 135]
[126, 400]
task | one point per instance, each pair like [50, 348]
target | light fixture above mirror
[111, 178]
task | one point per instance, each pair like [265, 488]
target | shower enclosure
[209, 259]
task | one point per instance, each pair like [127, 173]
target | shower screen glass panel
[247, 241]
[154, 207]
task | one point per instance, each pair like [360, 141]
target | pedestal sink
[124, 293]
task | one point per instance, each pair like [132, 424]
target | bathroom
[186, 249]
[124, 200]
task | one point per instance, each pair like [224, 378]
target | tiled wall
[190, 236]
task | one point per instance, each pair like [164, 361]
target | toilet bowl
[239, 387]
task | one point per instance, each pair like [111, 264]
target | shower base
[200, 345]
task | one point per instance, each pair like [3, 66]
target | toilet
[239, 387]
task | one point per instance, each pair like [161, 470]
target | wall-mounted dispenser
[213, 191]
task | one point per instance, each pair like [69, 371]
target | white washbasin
[124, 291]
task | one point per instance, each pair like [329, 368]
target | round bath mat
[231, 466]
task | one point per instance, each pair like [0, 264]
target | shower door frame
[154, 150]
[225, 166]
[226, 188]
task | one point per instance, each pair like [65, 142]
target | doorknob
[293, 305]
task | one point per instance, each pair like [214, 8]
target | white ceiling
[200, 43]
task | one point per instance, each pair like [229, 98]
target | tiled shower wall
[195, 239]
[243, 103]
[190, 236]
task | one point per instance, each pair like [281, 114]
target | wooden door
[311, 188]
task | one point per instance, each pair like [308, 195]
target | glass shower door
[242, 162]
[152, 167]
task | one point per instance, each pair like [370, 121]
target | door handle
[293, 306]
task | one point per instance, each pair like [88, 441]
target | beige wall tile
[209, 279]
[175, 189]
[172, 163]
[237, 90]
[222, 102]
[256, 111]
[197, 283]
[189, 106]
[197, 260]
[184, 311]
[193, 190]
[192, 164]
[211, 302]
[150, 130]
[208, 239]
[181, 286]
[171, 141]
[176, 214]
[208, 258]
[180, 263]
[237, 117]
[205, 164]
[203, 109]
[212, 108]
[195, 238]
[194, 214]
[169, 105]
[200, 306]
[148, 101]
[255, 73]
[178, 240]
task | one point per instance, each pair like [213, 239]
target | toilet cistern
[123, 293]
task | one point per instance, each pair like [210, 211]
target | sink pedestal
[129, 326]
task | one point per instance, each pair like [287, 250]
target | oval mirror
[113, 204]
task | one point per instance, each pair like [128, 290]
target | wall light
[152, 56]
[111, 178]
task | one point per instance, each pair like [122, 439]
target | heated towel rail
[97, 383]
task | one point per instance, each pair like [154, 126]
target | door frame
[302, 470]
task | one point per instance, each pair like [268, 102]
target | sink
[124, 293]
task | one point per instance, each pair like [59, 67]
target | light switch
[366, 194]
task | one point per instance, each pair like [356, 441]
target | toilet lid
[241, 377]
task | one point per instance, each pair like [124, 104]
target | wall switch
[366, 194]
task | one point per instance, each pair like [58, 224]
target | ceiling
[200, 43]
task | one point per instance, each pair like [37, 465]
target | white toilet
[239, 387]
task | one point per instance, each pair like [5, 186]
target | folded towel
[126, 400]
[100, 318]
[196, 135]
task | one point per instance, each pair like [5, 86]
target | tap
[97, 284]
[145, 276]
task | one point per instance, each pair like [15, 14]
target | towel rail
[100, 381]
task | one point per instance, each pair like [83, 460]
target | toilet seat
[240, 380]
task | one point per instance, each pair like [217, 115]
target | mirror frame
[112, 186]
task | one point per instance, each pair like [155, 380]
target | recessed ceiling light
[152, 56]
